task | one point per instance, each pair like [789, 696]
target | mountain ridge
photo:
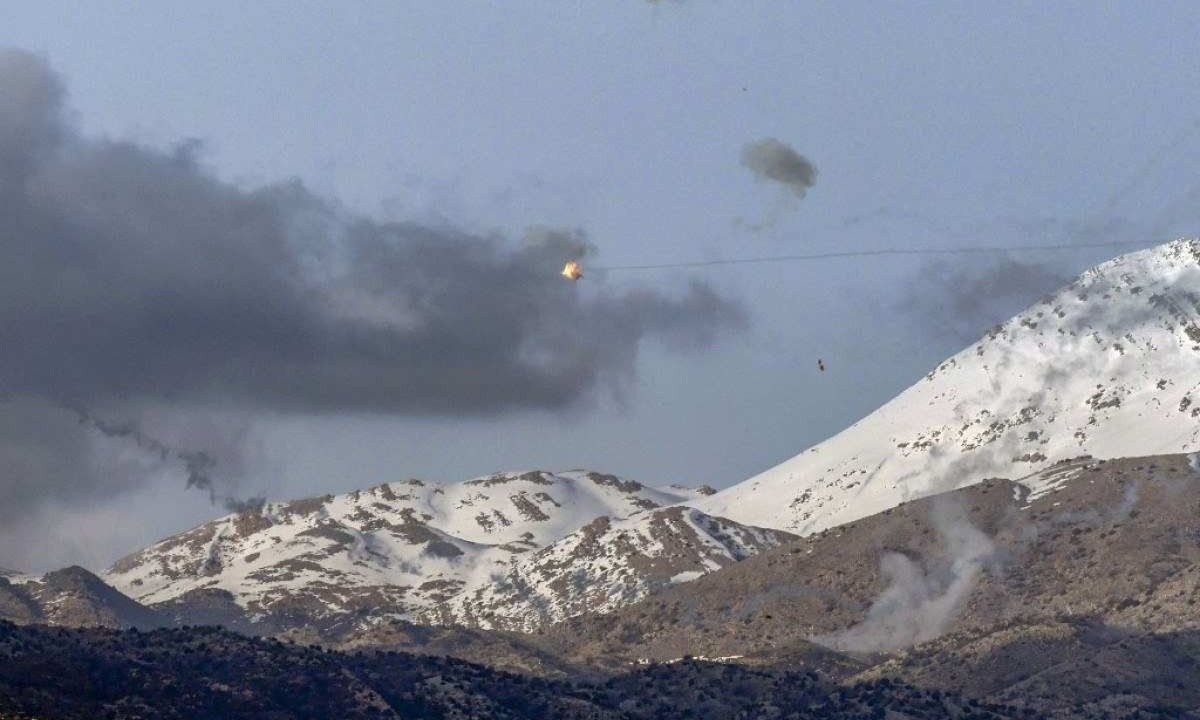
[1106, 367]
[492, 551]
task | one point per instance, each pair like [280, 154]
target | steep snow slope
[412, 549]
[1109, 366]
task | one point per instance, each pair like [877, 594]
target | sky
[313, 248]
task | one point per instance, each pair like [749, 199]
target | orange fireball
[572, 270]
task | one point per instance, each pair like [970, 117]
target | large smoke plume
[132, 278]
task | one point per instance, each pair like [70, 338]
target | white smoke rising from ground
[923, 599]
[920, 602]
[1115, 513]
[1128, 502]
[1120, 511]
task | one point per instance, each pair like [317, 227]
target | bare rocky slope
[72, 597]
[1117, 540]
[1069, 667]
[1074, 592]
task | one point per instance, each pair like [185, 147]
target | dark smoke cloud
[130, 431]
[133, 278]
[953, 302]
[49, 456]
[956, 301]
[774, 160]
[53, 456]
[199, 465]
[127, 273]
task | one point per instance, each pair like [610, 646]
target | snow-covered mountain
[1108, 366]
[494, 551]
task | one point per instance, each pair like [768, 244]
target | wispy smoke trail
[920, 602]
[199, 466]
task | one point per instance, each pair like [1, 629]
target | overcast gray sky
[639, 127]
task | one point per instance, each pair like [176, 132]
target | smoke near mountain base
[131, 277]
[920, 602]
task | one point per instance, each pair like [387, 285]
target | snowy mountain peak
[416, 550]
[1108, 366]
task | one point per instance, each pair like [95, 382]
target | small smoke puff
[252, 506]
[774, 160]
[572, 243]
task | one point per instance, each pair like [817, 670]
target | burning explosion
[572, 270]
